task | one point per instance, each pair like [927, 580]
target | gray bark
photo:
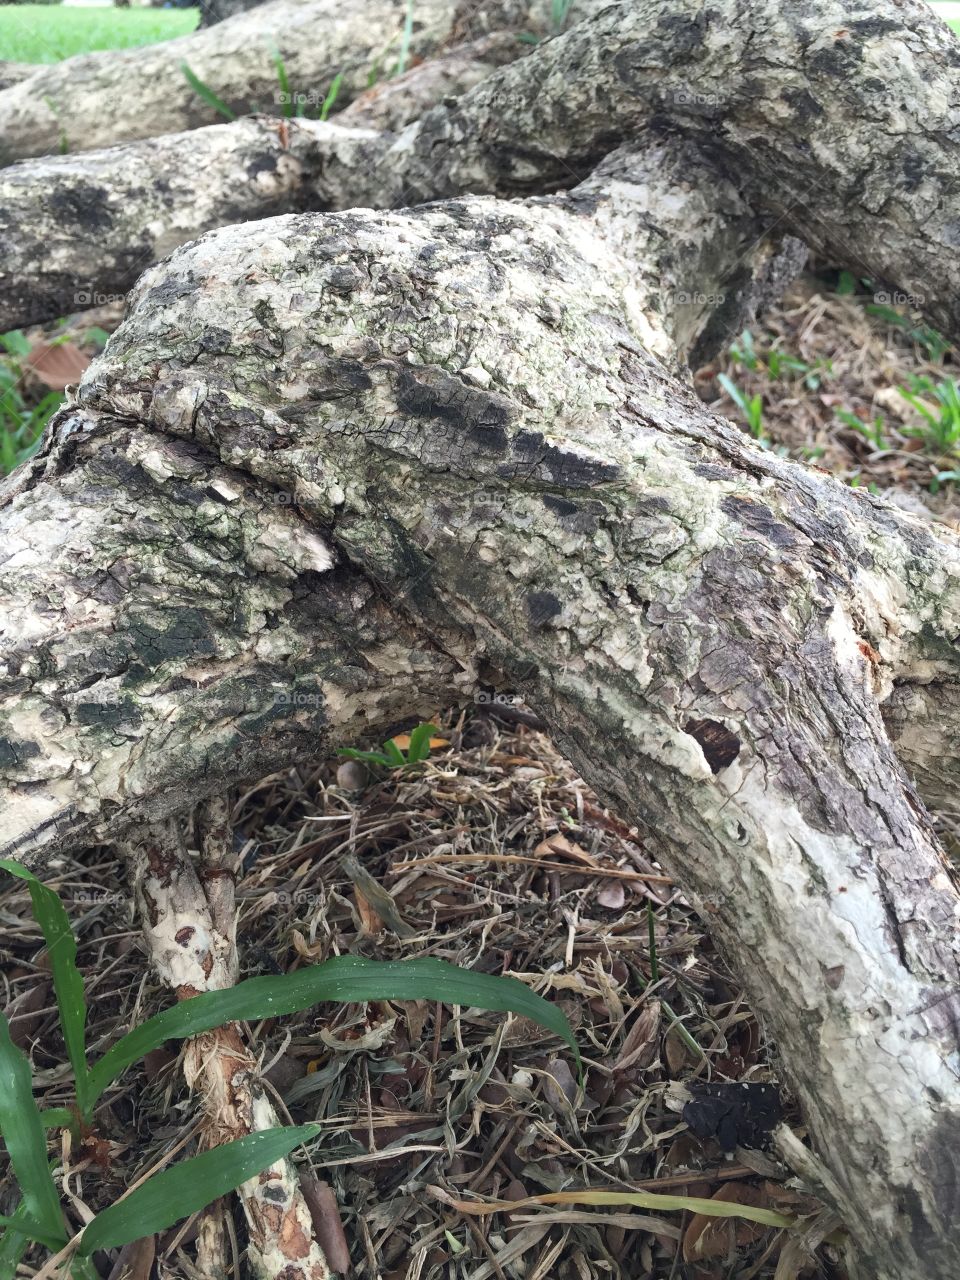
[841, 116]
[14, 72]
[537, 503]
[336, 469]
[214, 11]
[867, 176]
[97, 99]
[97, 220]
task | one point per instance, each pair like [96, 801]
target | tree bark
[214, 11]
[868, 177]
[97, 220]
[336, 469]
[97, 99]
[542, 504]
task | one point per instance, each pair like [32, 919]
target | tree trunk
[97, 99]
[335, 469]
[214, 11]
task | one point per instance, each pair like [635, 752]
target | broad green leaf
[419, 747]
[25, 1140]
[347, 979]
[394, 754]
[32, 1230]
[57, 1118]
[189, 1186]
[13, 1243]
[52, 918]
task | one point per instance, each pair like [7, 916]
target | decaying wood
[189, 923]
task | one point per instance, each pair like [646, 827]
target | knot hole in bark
[719, 745]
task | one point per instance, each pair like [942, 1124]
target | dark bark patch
[759, 519]
[184, 935]
[435, 394]
[737, 1115]
[804, 104]
[14, 751]
[189, 635]
[84, 205]
[263, 163]
[108, 715]
[542, 606]
[720, 747]
[560, 505]
[875, 26]
[570, 470]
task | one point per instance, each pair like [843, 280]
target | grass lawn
[48, 32]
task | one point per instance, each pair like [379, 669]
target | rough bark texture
[841, 116]
[709, 631]
[162, 618]
[336, 469]
[867, 175]
[88, 101]
[100, 218]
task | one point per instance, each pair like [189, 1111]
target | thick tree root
[189, 923]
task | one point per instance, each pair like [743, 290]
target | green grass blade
[53, 920]
[419, 747]
[405, 39]
[346, 979]
[206, 93]
[25, 1140]
[331, 95]
[187, 1187]
[13, 1243]
[286, 98]
[32, 1230]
